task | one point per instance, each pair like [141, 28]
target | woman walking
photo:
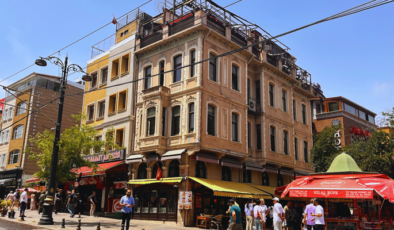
[264, 211]
[249, 214]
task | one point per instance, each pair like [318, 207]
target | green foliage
[74, 144]
[374, 154]
[388, 118]
[324, 149]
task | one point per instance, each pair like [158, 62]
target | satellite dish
[160, 5]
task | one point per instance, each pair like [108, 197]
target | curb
[11, 225]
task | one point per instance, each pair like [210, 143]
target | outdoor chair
[217, 220]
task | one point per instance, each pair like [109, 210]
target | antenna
[160, 5]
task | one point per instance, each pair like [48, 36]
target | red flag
[159, 172]
[114, 20]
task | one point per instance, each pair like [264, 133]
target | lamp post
[46, 218]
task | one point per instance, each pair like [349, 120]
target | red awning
[87, 171]
[33, 180]
[384, 187]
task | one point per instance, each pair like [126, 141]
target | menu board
[363, 194]
[185, 200]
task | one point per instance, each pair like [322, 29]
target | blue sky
[350, 56]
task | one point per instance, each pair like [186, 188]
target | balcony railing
[256, 52]
[103, 45]
[216, 25]
[272, 60]
[186, 22]
[237, 38]
[135, 14]
[151, 38]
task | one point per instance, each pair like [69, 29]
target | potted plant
[4, 205]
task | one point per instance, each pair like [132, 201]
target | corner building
[241, 122]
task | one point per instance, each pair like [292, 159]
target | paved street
[88, 223]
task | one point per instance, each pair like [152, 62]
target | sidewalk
[88, 223]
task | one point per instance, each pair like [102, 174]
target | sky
[350, 57]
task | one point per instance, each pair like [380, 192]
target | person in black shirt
[80, 205]
[58, 201]
[72, 200]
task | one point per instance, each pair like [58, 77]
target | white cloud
[382, 89]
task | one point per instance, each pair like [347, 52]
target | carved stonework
[235, 59]
[163, 55]
[150, 104]
[175, 102]
[147, 61]
[214, 48]
[235, 107]
[211, 99]
[272, 121]
[190, 99]
[285, 126]
[224, 123]
[179, 48]
[192, 43]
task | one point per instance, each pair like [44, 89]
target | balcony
[256, 52]
[272, 60]
[216, 25]
[154, 91]
[304, 80]
[236, 36]
[151, 38]
[183, 23]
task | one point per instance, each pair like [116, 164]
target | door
[153, 205]
[145, 205]
[163, 203]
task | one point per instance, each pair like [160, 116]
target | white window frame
[17, 132]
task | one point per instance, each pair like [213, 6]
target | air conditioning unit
[252, 105]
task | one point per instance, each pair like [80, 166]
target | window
[161, 68]
[258, 93]
[7, 137]
[142, 173]
[192, 61]
[258, 136]
[234, 127]
[200, 169]
[211, 120]
[99, 139]
[306, 159]
[112, 104]
[249, 136]
[265, 179]
[125, 64]
[176, 120]
[14, 157]
[371, 119]
[18, 131]
[333, 106]
[3, 158]
[163, 122]
[272, 138]
[350, 109]
[191, 117]
[115, 68]
[271, 94]
[284, 95]
[1, 138]
[104, 75]
[304, 114]
[21, 108]
[248, 91]
[119, 137]
[148, 78]
[155, 168]
[91, 112]
[234, 77]
[93, 83]
[294, 110]
[212, 67]
[177, 72]
[122, 100]
[151, 120]
[247, 175]
[101, 109]
[318, 109]
[4, 116]
[285, 142]
[361, 114]
[226, 173]
[279, 180]
[173, 170]
[296, 148]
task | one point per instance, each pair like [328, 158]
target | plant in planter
[4, 205]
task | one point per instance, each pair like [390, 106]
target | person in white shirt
[258, 225]
[318, 216]
[264, 211]
[23, 202]
[278, 214]
[249, 214]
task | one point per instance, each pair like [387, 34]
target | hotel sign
[114, 155]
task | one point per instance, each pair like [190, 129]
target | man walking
[309, 221]
[23, 203]
[291, 215]
[93, 202]
[235, 216]
[127, 203]
[278, 214]
[318, 215]
[58, 201]
[41, 200]
[72, 199]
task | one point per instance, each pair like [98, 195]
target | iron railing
[182, 25]
[272, 60]
[235, 37]
[103, 45]
[136, 14]
[256, 52]
[152, 38]
[216, 25]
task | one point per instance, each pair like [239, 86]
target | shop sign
[115, 155]
[350, 194]
[120, 184]
[7, 176]
[116, 206]
[76, 184]
[185, 200]
[87, 181]
[338, 141]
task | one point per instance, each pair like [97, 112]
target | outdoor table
[205, 221]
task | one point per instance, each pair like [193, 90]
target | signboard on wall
[185, 200]
[116, 206]
[114, 155]
[120, 184]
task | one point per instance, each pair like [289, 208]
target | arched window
[279, 180]
[161, 69]
[154, 170]
[271, 94]
[151, 121]
[284, 100]
[176, 120]
[265, 179]
[234, 127]
[211, 120]
[174, 169]
[285, 142]
[21, 108]
[148, 78]
[14, 157]
[191, 117]
[226, 173]
[142, 173]
[192, 61]
[234, 77]
[200, 169]
[272, 138]
[18, 132]
[177, 72]
[247, 175]
[212, 67]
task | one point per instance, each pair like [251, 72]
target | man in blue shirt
[127, 202]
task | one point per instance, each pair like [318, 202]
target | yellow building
[386, 129]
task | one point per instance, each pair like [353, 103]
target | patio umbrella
[29, 190]
[384, 187]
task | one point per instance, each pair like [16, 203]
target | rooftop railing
[103, 45]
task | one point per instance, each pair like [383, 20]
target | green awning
[343, 163]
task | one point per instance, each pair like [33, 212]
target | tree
[74, 144]
[325, 148]
[374, 153]
[388, 118]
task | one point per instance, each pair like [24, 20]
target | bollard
[9, 214]
[13, 214]
[2, 212]
[122, 228]
[79, 225]
[63, 223]
[98, 226]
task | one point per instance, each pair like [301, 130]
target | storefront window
[145, 202]
[163, 202]
[226, 173]
[207, 202]
[279, 180]
[265, 178]
[174, 169]
[172, 201]
[247, 175]
[137, 198]
[153, 201]
[142, 173]
[200, 169]
[154, 171]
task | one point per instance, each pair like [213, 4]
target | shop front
[10, 180]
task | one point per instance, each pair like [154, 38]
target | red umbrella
[29, 190]
[384, 187]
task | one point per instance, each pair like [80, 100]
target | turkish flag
[159, 173]
[114, 20]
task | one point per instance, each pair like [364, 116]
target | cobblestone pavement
[88, 223]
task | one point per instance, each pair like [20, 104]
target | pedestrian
[278, 214]
[318, 215]
[17, 196]
[235, 203]
[309, 221]
[33, 202]
[58, 201]
[80, 205]
[72, 200]
[235, 216]
[258, 216]
[93, 202]
[290, 213]
[24, 200]
[298, 216]
[41, 200]
[10, 197]
[127, 203]
[264, 211]
[249, 214]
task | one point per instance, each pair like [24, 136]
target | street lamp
[46, 218]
